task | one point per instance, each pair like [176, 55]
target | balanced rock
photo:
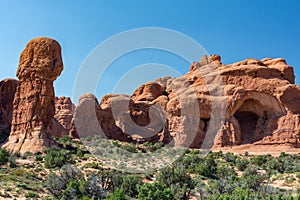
[34, 102]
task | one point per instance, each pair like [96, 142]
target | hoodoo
[34, 102]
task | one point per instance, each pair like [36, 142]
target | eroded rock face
[147, 92]
[61, 123]
[252, 101]
[91, 119]
[258, 100]
[7, 92]
[34, 102]
[85, 121]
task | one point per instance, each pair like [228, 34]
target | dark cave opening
[248, 121]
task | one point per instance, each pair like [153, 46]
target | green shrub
[190, 161]
[156, 146]
[177, 178]
[116, 195]
[31, 194]
[116, 143]
[93, 165]
[260, 160]
[26, 155]
[129, 185]
[289, 179]
[79, 153]
[241, 163]
[75, 189]
[208, 168]
[12, 162]
[39, 158]
[57, 184]
[65, 140]
[4, 156]
[71, 184]
[131, 148]
[252, 179]
[225, 171]
[298, 177]
[229, 157]
[54, 158]
[154, 191]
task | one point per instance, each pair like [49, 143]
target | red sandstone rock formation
[7, 93]
[61, 122]
[85, 121]
[90, 119]
[252, 101]
[40, 64]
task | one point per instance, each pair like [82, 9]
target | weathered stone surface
[287, 131]
[33, 108]
[7, 92]
[61, 122]
[147, 92]
[248, 102]
[91, 119]
[85, 121]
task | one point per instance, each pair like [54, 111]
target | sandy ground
[253, 149]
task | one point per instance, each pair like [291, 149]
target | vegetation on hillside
[72, 173]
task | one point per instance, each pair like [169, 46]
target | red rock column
[40, 64]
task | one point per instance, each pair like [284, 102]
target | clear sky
[234, 29]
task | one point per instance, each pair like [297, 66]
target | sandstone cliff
[61, 123]
[252, 101]
[7, 93]
[248, 102]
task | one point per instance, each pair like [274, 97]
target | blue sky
[234, 29]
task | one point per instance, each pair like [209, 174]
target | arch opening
[252, 116]
[248, 122]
